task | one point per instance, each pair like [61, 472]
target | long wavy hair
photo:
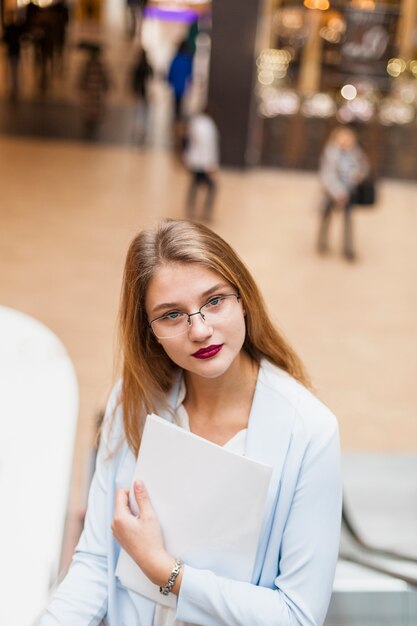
[147, 372]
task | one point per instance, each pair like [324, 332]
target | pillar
[232, 76]
[310, 67]
[408, 25]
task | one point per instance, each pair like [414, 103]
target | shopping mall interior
[80, 176]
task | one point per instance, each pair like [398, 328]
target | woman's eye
[173, 316]
[215, 301]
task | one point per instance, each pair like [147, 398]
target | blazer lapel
[269, 436]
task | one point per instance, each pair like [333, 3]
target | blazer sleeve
[81, 598]
[306, 564]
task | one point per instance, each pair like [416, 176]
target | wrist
[173, 584]
[161, 569]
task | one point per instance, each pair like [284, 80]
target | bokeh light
[349, 92]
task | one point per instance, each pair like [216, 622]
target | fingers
[121, 509]
[142, 499]
[122, 498]
[121, 504]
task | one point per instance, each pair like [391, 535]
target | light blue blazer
[288, 429]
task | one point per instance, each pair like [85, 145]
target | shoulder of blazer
[309, 413]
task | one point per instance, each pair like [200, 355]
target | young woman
[199, 349]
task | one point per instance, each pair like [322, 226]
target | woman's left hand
[141, 535]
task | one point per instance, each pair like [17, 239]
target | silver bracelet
[172, 578]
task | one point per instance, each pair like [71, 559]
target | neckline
[183, 421]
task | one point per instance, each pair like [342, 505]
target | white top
[165, 616]
[202, 151]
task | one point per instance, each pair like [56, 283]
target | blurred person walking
[141, 74]
[61, 16]
[40, 24]
[134, 14]
[343, 166]
[12, 32]
[179, 77]
[201, 157]
[93, 84]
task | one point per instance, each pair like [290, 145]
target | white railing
[38, 418]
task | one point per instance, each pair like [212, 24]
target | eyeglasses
[177, 323]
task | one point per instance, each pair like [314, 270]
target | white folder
[210, 503]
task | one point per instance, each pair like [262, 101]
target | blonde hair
[147, 372]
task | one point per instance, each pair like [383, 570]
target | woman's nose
[199, 328]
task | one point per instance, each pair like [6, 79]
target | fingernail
[139, 485]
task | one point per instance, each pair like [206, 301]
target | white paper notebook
[210, 503]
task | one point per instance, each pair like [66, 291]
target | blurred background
[97, 99]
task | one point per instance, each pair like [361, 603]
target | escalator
[354, 549]
[376, 575]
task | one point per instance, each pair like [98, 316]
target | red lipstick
[207, 353]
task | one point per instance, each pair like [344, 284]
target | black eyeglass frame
[190, 315]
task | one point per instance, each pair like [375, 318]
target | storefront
[337, 62]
